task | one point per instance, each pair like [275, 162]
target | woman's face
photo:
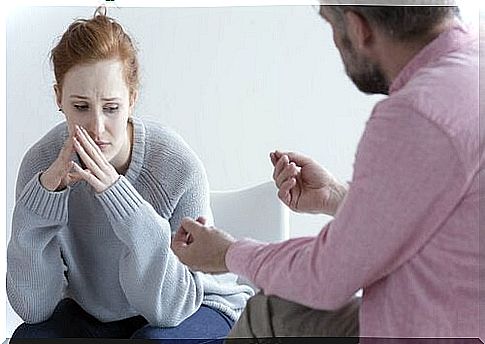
[96, 97]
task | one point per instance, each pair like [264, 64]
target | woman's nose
[96, 125]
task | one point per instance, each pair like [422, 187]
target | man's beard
[365, 74]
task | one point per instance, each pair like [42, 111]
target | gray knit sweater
[110, 252]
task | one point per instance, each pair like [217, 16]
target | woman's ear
[58, 93]
[133, 98]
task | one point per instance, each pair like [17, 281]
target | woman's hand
[58, 176]
[99, 173]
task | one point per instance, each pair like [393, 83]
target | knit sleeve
[195, 200]
[35, 271]
[155, 283]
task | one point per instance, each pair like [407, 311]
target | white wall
[235, 82]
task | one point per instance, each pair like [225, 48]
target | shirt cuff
[120, 200]
[45, 203]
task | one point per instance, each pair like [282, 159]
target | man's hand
[305, 186]
[200, 247]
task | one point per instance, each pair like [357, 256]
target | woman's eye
[111, 109]
[81, 107]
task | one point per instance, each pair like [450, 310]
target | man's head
[357, 31]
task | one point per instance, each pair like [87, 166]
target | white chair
[254, 212]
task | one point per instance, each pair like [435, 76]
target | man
[406, 229]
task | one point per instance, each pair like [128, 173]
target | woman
[98, 198]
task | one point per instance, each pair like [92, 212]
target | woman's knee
[25, 331]
[204, 325]
[64, 322]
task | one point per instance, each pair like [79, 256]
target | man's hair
[403, 23]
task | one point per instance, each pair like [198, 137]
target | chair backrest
[253, 212]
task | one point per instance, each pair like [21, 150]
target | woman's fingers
[74, 177]
[88, 176]
[86, 158]
[90, 147]
[56, 176]
[67, 150]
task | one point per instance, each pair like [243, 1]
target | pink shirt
[407, 231]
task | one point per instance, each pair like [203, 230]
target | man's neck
[394, 56]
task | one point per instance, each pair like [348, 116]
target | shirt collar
[448, 41]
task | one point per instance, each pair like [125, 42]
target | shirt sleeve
[407, 179]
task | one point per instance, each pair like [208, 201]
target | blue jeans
[69, 320]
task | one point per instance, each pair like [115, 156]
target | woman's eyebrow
[77, 96]
[84, 97]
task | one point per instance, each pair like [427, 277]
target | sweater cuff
[120, 200]
[238, 257]
[45, 203]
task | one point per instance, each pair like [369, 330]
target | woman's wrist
[47, 182]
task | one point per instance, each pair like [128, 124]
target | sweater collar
[137, 150]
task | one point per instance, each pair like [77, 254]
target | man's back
[407, 230]
[434, 290]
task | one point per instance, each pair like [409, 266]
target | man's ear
[359, 30]
[58, 93]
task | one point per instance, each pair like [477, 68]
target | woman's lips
[102, 144]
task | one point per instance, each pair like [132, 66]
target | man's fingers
[202, 220]
[299, 159]
[180, 235]
[185, 234]
[284, 193]
[279, 167]
[273, 158]
[290, 171]
[191, 226]
[180, 250]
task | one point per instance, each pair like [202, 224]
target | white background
[235, 82]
